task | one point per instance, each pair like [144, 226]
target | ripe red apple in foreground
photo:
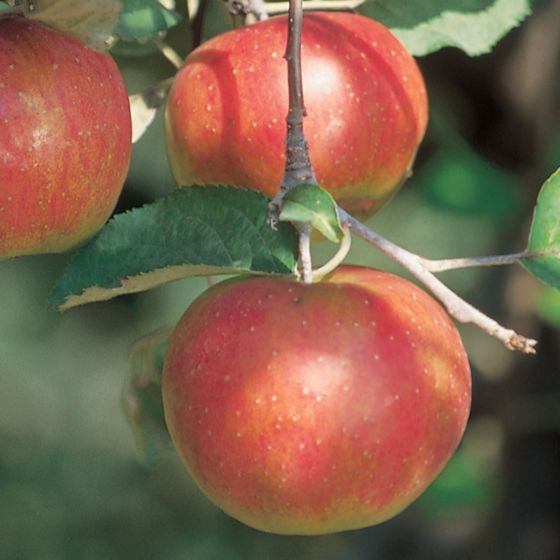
[65, 139]
[308, 409]
[365, 98]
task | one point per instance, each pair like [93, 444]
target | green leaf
[545, 234]
[425, 26]
[195, 231]
[141, 398]
[93, 22]
[142, 20]
[310, 203]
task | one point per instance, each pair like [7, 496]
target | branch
[441, 265]
[298, 168]
[274, 8]
[456, 307]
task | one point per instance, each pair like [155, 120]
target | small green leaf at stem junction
[425, 26]
[141, 398]
[310, 203]
[545, 234]
[141, 20]
[194, 231]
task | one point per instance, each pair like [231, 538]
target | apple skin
[364, 94]
[310, 409]
[65, 139]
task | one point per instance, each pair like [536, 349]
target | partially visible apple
[308, 409]
[365, 98]
[65, 139]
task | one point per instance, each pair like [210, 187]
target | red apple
[65, 139]
[365, 98]
[307, 409]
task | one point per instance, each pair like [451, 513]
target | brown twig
[298, 169]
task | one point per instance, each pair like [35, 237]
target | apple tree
[304, 395]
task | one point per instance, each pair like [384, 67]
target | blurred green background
[72, 485]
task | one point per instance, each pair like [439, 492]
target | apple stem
[305, 263]
[273, 8]
[338, 257]
[441, 265]
[168, 52]
[456, 307]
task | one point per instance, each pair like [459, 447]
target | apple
[65, 139]
[309, 409]
[365, 98]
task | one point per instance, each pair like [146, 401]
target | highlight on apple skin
[65, 139]
[310, 409]
[366, 107]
